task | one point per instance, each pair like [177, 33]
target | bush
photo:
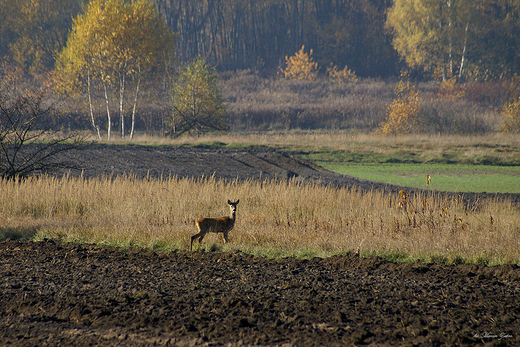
[511, 115]
[453, 117]
[28, 144]
[402, 112]
[300, 66]
[197, 106]
[341, 76]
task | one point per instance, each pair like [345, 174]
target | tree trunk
[135, 104]
[444, 72]
[450, 37]
[109, 125]
[89, 92]
[463, 58]
[121, 101]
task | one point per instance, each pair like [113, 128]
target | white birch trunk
[109, 126]
[135, 104]
[121, 101]
[91, 110]
[463, 58]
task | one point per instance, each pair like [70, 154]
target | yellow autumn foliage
[300, 66]
[403, 111]
[511, 115]
[341, 76]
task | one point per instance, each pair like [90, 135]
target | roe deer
[216, 225]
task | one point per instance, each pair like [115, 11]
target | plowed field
[65, 294]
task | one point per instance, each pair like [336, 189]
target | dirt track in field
[59, 294]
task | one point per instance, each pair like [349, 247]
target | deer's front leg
[226, 236]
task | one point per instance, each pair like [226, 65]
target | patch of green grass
[329, 155]
[444, 177]
[392, 256]
[384, 155]
[207, 145]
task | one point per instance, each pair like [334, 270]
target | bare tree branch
[28, 144]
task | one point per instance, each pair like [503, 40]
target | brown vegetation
[256, 103]
[277, 218]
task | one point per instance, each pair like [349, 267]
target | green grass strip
[444, 177]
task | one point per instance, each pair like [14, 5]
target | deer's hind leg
[200, 236]
[194, 237]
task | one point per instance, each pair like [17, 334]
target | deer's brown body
[216, 225]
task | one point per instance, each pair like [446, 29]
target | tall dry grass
[274, 218]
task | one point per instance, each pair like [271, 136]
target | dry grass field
[275, 218]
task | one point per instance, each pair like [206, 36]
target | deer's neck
[232, 215]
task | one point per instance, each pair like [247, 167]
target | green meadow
[443, 177]
[456, 164]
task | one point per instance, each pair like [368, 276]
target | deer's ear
[229, 202]
[237, 202]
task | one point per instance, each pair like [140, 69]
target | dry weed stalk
[276, 217]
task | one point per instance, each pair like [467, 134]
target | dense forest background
[241, 34]
[462, 41]
[258, 34]
[232, 34]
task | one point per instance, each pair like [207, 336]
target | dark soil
[59, 294]
[65, 294]
[156, 162]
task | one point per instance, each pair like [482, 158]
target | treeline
[468, 40]
[238, 34]
[474, 39]
[232, 34]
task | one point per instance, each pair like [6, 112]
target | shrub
[197, 106]
[445, 116]
[28, 143]
[450, 89]
[341, 76]
[300, 66]
[511, 115]
[403, 111]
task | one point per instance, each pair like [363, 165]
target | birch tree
[433, 34]
[111, 43]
